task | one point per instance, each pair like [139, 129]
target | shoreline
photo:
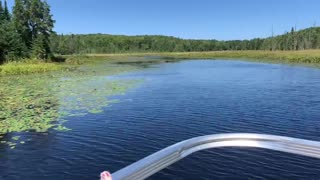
[69, 62]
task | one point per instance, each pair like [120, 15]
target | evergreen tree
[21, 22]
[6, 13]
[47, 29]
[35, 15]
[34, 23]
[1, 13]
[38, 48]
[41, 26]
[292, 39]
[14, 48]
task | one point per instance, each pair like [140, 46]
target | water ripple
[180, 101]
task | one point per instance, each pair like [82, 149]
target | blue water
[178, 101]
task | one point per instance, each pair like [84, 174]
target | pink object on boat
[105, 175]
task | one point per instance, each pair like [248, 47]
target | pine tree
[47, 28]
[14, 46]
[20, 20]
[3, 43]
[1, 13]
[38, 48]
[33, 22]
[41, 26]
[11, 43]
[35, 15]
[293, 39]
[6, 13]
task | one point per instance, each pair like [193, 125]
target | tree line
[25, 33]
[102, 43]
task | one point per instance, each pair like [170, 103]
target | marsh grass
[307, 56]
[298, 57]
[28, 67]
[71, 62]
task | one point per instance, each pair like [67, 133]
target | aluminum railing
[164, 158]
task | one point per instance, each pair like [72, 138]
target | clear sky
[196, 19]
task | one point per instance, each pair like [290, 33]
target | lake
[177, 101]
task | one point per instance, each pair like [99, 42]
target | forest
[102, 43]
[25, 33]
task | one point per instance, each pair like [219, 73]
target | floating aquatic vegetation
[89, 95]
[16, 138]
[61, 128]
[26, 104]
[37, 103]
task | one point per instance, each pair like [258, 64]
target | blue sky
[196, 19]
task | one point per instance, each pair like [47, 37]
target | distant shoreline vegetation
[103, 43]
[71, 62]
[28, 44]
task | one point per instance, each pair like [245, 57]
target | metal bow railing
[164, 158]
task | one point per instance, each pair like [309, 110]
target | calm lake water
[178, 101]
